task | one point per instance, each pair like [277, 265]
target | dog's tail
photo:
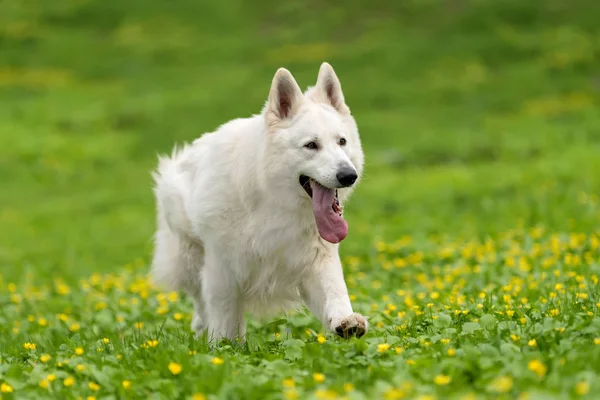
[170, 191]
[173, 223]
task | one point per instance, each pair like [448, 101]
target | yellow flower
[51, 378]
[445, 341]
[175, 368]
[90, 398]
[198, 396]
[348, 387]
[126, 384]
[74, 327]
[289, 383]
[532, 343]
[596, 340]
[217, 361]
[62, 289]
[45, 358]
[68, 381]
[538, 367]
[442, 380]
[321, 339]
[178, 316]
[78, 351]
[523, 321]
[502, 384]
[94, 386]
[80, 368]
[44, 384]
[383, 347]
[162, 310]
[318, 377]
[326, 394]
[6, 388]
[410, 362]
[451, 352]
[582, 388]
[42, 321]
[139, 325]
[106, 340]
[394, 394]
[29, 346]
[399, 350]
[427, 397]
[172, 297]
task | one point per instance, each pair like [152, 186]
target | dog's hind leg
[222, 299]
[178, 255]
[177, 265]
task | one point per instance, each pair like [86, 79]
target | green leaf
[509, 348]
[293, 349]
[276, 323]
[470, 327]
[487, 321]
[442, 321]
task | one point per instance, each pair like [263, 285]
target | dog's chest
[276, 254]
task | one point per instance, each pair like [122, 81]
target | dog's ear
[285, 98]
[329, 89]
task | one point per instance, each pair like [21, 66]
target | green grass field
[474, 243]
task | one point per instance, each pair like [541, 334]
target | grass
[473, 243]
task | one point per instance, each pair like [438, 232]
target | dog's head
[317, 145]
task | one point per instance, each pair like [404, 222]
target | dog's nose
[346, 176]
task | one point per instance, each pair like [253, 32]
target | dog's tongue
[332, 227]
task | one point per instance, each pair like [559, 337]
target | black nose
[346, 176]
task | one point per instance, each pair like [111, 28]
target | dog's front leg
[222, 301]
[324, 292]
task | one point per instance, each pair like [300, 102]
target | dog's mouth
[305, 182]
[327, 210]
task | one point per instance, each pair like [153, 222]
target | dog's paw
[352, 325]
[197, 326]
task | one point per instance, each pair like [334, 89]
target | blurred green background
[476, 116]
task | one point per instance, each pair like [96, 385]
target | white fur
[236, 231]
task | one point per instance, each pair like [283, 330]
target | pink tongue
[332, 227]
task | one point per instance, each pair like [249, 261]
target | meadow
[474, 244]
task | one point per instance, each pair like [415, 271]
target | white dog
[250, 216]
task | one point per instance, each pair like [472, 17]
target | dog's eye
[311, 145]
[342, 142]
